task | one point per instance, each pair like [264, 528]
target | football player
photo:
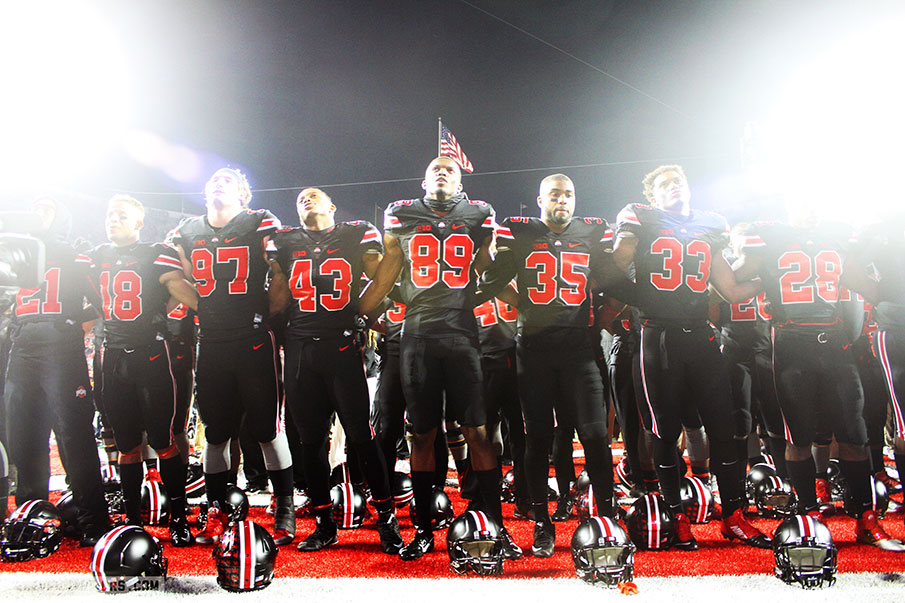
[47, 383]
[558, 375]
[677, 254]
[136, 280]
[236, 373]
[317, 270]
[803, 264]
[437, 243]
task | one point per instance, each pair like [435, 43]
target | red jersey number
[301, 283]
[806, 279]
[673, 274]
[122, 300]
[494, 311]
[425, 252]
[544, 263]
[203, 269]
[29, 302]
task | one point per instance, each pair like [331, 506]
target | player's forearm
[183, 292]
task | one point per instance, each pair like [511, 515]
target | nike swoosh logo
[257, 347]
[574, 244]
[344, 348]
[178, 357]
[155, 357]
[131, 263]
[230, 240]
[457, 226]
[333, 250]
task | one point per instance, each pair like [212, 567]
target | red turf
[357, 553]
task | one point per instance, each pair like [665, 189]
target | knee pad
[276, 453]
[217, 457]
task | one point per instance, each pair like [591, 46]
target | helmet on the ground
[155, 504]
[755, 475]
[402, 489]
[235, 504]
[879, 498]
[697, 500]
[34, 530]
[69, 514]
[442, 512]
[774, 497]
[194, 481]
[245, 556]
[650, 524]
[350, 508]
[124, 556]
[804, 552]
[474, 544]
[602, 552]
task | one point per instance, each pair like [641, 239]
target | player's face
[123, 223]
[671, 192]
[311, 203]
[46, 210]
[442, 179]
[557, 201]
[223, 189]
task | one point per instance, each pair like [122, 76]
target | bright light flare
[837, 134]
[66, 93]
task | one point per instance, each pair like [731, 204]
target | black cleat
[323, 536]
[422, 543]
[563, 510]
[283, 521]
[511, 550]
[544, 539]
[390, 539]
[180, 534]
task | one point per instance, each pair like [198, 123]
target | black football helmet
[582, 483]
[69, 514]
[586, 503]
[123, 556]
[235, 504]
[34, 530]
[194, 481]
[340, 474]
[442, 513]
[402, 489]
[623, 474]
[697, 500]
[650, 523]
[350, 508]
[245, 556]
[474, 544]
[755, 475]
[774, 497]
[507, 487]
[805, 553]
[602, 552]
[155, 504]
[879, 498]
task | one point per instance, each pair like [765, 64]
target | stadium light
[837, 134]
[66, 94]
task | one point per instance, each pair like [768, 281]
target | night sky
[333, 93]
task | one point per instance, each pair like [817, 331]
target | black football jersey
[552, 270]
[60, 298]
[800, 269]
[392, 320]
[133, 299]
[229, 270]
[324, 270]
[673, 259]
[497, 322]
[437, 283]
[747, 323]
[883, 246]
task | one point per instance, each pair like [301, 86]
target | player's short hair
[128, 200]
[312, 189]
[553, 177]
[244, 187]
[647, 183]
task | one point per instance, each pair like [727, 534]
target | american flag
[449, 147]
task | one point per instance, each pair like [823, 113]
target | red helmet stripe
[653, 522]
[698, 486]
[348, 511]
[100, 555]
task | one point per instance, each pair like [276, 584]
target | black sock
[777, 449]
[724, 465]
[423, 489]
[900, 467]
[172, 472]
[215, 485]
[857, 476]
[281, 481]
[599, 458]
[130, 476]
[317, 473]
[489, 486]
[667, 471]
[876, 460]
[803, 474]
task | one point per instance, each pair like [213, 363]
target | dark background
[334, 93]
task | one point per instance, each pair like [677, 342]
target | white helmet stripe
[100, 555]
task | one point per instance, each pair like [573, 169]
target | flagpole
[439, 136]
